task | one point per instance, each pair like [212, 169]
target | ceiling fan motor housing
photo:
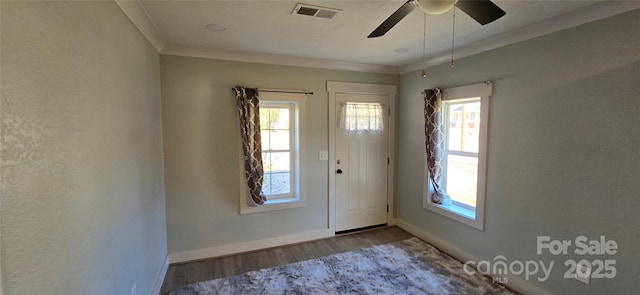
[435, 6]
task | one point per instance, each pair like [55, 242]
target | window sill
[458, 213]
[462, 211]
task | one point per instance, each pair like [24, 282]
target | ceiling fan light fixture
[483, 11]
[435, 6]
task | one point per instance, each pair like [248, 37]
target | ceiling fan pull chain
[453, 34]
[424, 41]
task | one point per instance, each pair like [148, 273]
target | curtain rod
[282, 91]
[488, 82]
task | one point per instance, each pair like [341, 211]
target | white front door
[361, 165]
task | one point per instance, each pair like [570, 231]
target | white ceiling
[267, 27]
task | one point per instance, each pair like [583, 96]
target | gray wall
[83, 207]
[201, 143]
[563, 154]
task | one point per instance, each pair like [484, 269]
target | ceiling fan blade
[483, 11]
[392, 20]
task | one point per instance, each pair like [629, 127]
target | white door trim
[360, 88]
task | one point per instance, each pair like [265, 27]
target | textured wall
[82, 169]
[201, 143]
[563, 154]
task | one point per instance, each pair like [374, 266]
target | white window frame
[293, 155]
[297, 197]
[463, 213]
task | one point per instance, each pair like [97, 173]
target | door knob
[339, 171]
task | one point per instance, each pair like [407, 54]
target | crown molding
[564, 21]
[274, 59]
[140, 18]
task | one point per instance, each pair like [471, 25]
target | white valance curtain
[362, 117]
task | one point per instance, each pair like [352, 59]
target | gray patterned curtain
[249, 114]
[433, 143]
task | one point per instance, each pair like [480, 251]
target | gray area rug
[407, 267]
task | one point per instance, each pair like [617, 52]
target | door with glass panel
[362, 141]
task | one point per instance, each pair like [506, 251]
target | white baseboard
[250, 245]
[515, 283]
[157, 285]
[391, 221]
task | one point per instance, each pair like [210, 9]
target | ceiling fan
[483, 11]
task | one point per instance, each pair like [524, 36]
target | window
[464, 117]
[460, 161]
[281, 132]
[278, 142]
[362, 117]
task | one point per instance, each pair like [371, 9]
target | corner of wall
[157, 285]
[140, 18]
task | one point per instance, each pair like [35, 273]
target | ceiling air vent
[317, 11]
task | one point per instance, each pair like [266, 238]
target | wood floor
[202, 270]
